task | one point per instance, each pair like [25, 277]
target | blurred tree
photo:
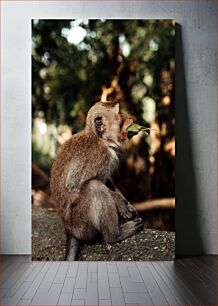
[131, 61]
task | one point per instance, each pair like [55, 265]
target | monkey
[88, 202]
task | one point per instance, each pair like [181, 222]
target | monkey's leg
[122, 208]
[125, 209]
[126, 230]
[111, 230]
[99, 207]
[130, 228]
[72, 248]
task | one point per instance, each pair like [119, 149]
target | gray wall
[195, 113]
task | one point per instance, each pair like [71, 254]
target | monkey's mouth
[126, 122]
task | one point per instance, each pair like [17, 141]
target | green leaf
[135, 128]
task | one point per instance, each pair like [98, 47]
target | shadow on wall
[188, 227]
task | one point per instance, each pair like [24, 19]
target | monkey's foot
[132, 209]
[130, 228]
[127, 211]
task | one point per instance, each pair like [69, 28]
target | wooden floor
[186, 281]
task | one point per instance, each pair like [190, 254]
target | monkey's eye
[99, 125]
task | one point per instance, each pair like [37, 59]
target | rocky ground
[49, 243]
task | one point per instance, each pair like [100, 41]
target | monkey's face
[109, 123]
[126, 121]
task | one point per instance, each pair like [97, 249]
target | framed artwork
[103, 139]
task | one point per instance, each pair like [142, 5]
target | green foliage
[42, 158]
[68, 78]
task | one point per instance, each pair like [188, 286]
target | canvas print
[103, 140]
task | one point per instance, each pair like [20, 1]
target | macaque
[87, 200]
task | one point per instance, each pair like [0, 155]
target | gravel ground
[49, 243]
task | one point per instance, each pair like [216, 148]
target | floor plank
[199, 286]
[155, 292]
[117, 297]
[169, 270]
[13, 277]
[29, 276]
[65, 298]
[103, 282]
[50, 297]
[165, 288]
[178, 290]
[208, 273]
[17, 296]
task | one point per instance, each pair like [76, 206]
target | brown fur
[79, 172]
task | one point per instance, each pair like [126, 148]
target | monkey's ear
[99, 125]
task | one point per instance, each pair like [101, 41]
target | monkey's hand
[132, 209]
[126, 210]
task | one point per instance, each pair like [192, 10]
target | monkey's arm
[77, 176]
[124, 207]
[81, 171]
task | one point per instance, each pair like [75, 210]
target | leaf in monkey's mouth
[135, 128]
[127, 121]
